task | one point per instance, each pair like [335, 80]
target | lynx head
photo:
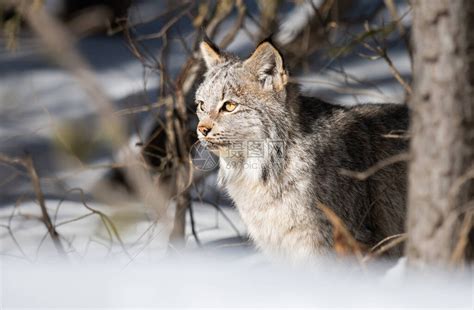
[242, 100]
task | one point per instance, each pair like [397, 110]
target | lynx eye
[229, 106]
[199, 104]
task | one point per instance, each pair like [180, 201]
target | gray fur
[307, 143]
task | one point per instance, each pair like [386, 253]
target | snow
[397, 272]
[220, 281]
[88, 238]
[144, 271]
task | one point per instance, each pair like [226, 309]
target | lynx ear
[210, 53]
[267, 63]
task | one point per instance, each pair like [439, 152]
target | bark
[442, 146]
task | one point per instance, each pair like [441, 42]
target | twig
[342, 89]
[75, 219]
[10, 231]
[395, 71]
[218, 209]
[108, 223]
[381, 51]
[29, 166]
[139, 109]
[385, 245]
[457, 185]
[193, 225]
[401, 29]
[397, 134]
[343, 242]
[364, 175]
[229, 37]
[463, 239]
[166, 27]
[28, 163]
[153, 236]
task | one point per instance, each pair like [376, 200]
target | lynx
[282, 155]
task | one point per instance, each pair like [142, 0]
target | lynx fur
[283, 154]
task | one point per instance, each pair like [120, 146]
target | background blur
[139, 58]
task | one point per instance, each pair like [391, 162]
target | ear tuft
[267, 63]
[210, 52]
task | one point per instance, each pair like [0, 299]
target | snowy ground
[221, 281]
[38, 100]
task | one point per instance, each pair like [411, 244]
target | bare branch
[29, 166]
[364, 175]
[385, 245]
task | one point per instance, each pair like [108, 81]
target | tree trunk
[442, 145]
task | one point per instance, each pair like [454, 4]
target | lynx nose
[204, 129]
